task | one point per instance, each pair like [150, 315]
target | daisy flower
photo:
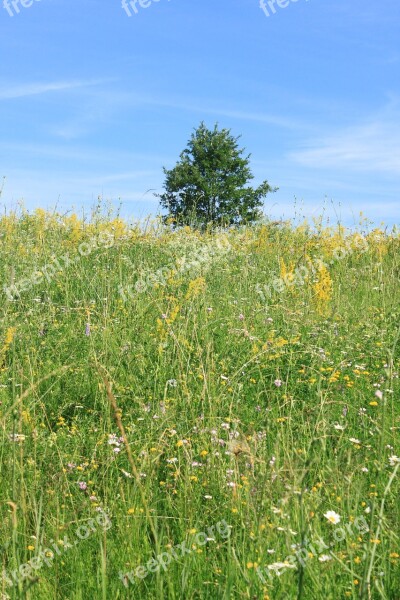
[324, 558]
[332, 517]
[354, 440]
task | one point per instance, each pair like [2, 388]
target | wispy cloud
[258, 117]
[372, 146]
[204, 106]
[83, 154]
[34, 89]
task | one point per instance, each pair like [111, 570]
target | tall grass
[228, 390]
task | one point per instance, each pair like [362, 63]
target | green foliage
[262, 416]
[209, 185]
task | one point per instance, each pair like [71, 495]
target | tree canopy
[210, 183]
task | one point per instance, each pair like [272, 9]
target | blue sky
[95, 102]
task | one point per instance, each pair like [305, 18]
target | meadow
[198, 415]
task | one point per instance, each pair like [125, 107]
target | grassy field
[198, 416]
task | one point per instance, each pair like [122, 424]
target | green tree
[209, 185]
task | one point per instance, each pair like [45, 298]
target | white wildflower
[332, 517]
[324, 558]
[281, 565]
[17, 437]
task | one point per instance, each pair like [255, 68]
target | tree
[209, 185]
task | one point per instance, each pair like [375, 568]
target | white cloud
[373, 146]
[34, 89]
[271, 119]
